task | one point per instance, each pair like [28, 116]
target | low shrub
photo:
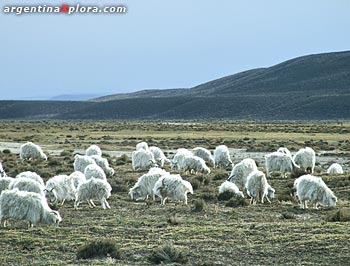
[98, 249]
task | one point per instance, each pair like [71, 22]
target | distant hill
[73, 97]
[313, 87]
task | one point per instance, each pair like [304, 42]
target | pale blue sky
[159, 43]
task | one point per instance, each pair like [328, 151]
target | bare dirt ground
[217, 232]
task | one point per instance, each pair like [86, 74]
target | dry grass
[279, 233]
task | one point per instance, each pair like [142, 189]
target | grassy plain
[216, 234]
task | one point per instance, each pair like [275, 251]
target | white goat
[81, 161]
[222, 157]
[142, 145]
[142, 160]
[103, 163]
[159, 156]
[335, 168]
[60, 188]
[95, 171]
[30, 150]
[177, 163]
[241, 171]
[258, 188]
[78, 177]
[29, 206]
[31, 175]
[93, 150]
[285, 151]
[229, 186]
[172, 187]
[27, 184]
[195, 164]
[312, 188]
[278, 161]
[93, 188]
[144, 185]
[306, 159]
[205, 155]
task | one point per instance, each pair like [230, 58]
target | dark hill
[313, 87]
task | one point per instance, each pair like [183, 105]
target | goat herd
[26, 196]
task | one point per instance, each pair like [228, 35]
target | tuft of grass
[285, 196]
[226, 195]
[196, 184]
[342, 215]
[122, 160]
[199, 205]
[98, 249]
[236, 202]
[65, 153]
[220, 175]
[168, 254]
[174, 219]
[287, 216]
[53, 162]
[6, 151]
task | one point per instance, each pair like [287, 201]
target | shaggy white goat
[205, 155]
[278, 161]
[335, 168]
[142, 145]
[285, 151]
[81, 161]
[159, 156]
[78, 177]
[312, 188]
[31, 175]
[144, 185]
[258, 188]
[306, 159]
[95, 171]
[27, 184]
[60, 188]
[142, 160]
[103, 163]
[195, 164]
[93, 150]
[222, 157]
[229, 186]
[93, 188]
[29, 206]
[177, 163]
[30, 150]
[241, 171]
[172, 187]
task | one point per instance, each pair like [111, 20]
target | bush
[168, 254]
[174, 219]
[236, 202]
[99, 248]
[195, 184]
[53, 162]
[65, 153]
[287, 215]
[226, 195]
[122, 160]
[221, 175]
[199, 205]
[342, 215]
